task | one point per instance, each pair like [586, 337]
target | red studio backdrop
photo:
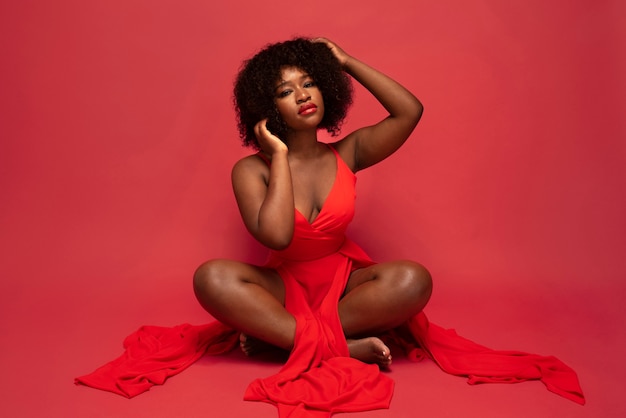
[117, 136]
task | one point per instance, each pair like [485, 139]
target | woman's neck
[302, 143]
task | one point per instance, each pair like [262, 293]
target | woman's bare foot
[251, 346]
[370, 350]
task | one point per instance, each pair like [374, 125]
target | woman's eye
[309, 84]
[284, 93]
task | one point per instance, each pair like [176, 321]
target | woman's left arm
[374, 143]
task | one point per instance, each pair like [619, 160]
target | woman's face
[298, 100]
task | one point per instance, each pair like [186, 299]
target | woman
[283, 96]
[319, 296]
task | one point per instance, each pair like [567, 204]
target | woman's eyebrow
[284, 82]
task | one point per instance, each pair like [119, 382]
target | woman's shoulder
[345, 147]
[250, 165]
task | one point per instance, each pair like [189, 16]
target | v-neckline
[332, 188]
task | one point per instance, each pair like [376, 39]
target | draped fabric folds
[152, 354]
[319, 378]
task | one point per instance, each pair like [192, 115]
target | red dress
[320, 378]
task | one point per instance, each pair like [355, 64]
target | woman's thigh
[383, 296]
[398, 275]
[221, 275]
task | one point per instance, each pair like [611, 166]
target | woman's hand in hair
[339, 53]
[270, 143]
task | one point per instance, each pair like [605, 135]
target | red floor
[44, 347]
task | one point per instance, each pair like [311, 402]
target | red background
[117, 138]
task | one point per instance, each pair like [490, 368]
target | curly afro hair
[254, 86]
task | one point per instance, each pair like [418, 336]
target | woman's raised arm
[373, 144]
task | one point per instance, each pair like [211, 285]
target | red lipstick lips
[307, 109]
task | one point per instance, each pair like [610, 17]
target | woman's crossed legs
[376, 299]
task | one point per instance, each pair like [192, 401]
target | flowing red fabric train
[152, 354]
[320, 378]
[460, 356]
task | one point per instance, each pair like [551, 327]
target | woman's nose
[302, 95]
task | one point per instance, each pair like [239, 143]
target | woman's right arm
[265, 199]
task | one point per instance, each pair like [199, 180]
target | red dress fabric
[152, 354]
[320, 378]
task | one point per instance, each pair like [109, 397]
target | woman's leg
[379, 298]
[248, 298]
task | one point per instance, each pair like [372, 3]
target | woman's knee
[414, 280]
[210, 276]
